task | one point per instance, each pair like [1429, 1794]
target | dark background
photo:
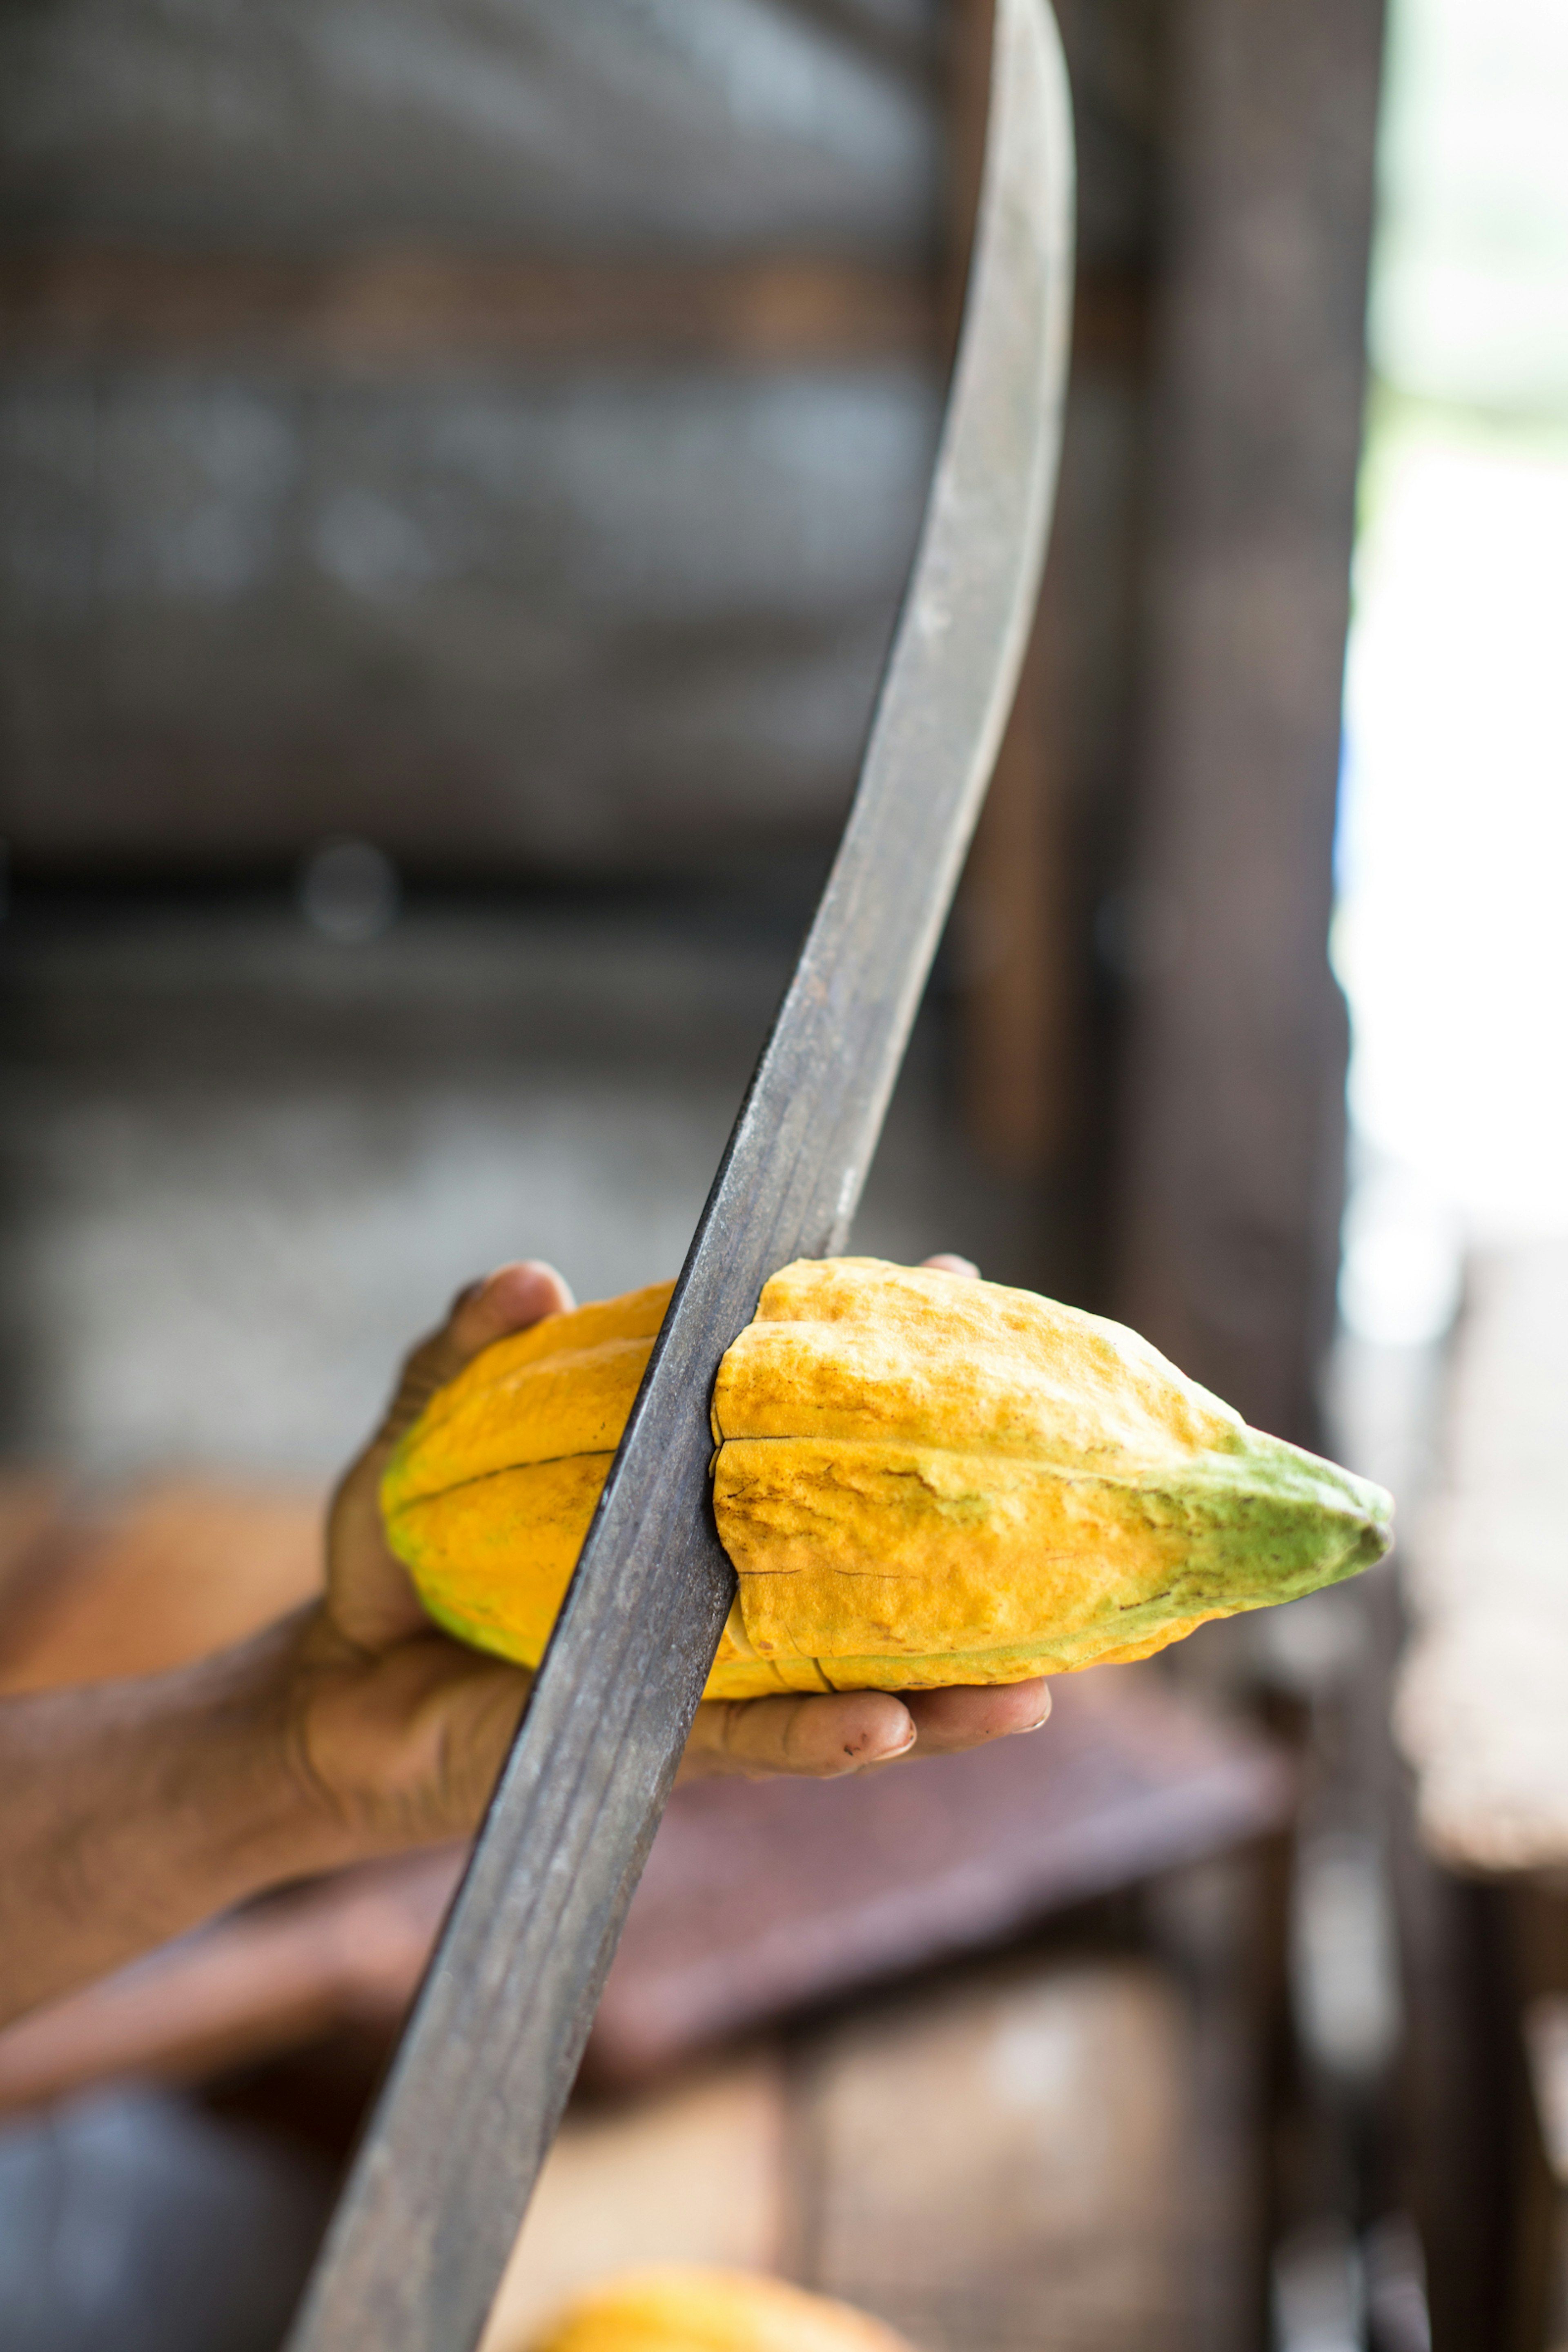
[496, 433]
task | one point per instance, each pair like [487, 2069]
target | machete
[471, 2102]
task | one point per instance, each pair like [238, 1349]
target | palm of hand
[403, 1731]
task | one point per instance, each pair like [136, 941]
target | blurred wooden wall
[505, 440]
[1156, 1030]
[1230, 1158]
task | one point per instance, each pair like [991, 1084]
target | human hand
[402, 1731]
[135, 1809]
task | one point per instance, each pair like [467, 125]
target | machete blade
[433, 2204]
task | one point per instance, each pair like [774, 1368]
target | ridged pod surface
[678, 2309]
[921, 1480]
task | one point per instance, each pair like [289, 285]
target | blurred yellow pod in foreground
[691, 2310]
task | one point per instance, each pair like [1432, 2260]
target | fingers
[372, 1600]
[944, 1262]
[853, 1731]
[948, 1721]
[811, 1738]
[510, 1299]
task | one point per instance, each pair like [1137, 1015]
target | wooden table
[1482, 1716]
[992, 2151]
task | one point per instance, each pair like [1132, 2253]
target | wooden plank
[1023, 925]
[1231, 1140]
[1012, 981]
[1541, 2268]
[1535, 2160]
[1016, 964]
[757, 1901]
[1480, 1719]
[1001, 2163]
[1481, 1715]
[419, 306]
[1223, 1927]
[425, 305]
[275, 1977]
[31, 1502]
[1035, 1063]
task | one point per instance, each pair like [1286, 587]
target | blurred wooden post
[1013, 956]
[1017, 1035]
[1232, 1127]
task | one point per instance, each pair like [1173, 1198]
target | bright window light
[1451, 938]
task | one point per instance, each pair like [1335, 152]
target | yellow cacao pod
[676, 2309]
[920, 1479]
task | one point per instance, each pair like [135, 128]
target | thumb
[513, 1298]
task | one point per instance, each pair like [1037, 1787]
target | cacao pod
[676, 2309]
[920, 1479]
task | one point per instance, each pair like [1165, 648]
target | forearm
[134, 1810]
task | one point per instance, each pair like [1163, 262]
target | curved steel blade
[432, 2207]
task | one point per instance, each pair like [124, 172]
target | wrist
[238, 1775]
[214, 1804]
[398, 1746]
[135, 1810]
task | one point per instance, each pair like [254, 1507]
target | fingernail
[882, 1751]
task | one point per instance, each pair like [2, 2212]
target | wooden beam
[1232, 1134]
[1018, 996]
[276, 1976]
[1013, 987]
[412, 307]
[1004, 2158]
